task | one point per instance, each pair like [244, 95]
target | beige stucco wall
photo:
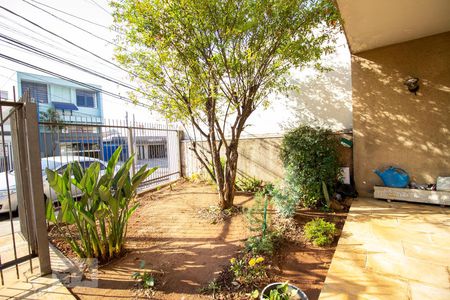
[258, 157]
[393, 126]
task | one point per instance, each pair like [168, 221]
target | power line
[64, 39]
[75, 16]
[71, 24]
[15, 60]
[54, 43]
[6, 27]
[8, 79]
[54, 57]
[99, 6]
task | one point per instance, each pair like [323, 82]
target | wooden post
[21, 173]
[35, 181]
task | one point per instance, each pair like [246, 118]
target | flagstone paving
[393, 250]
[30, 285]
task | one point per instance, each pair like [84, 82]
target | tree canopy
[211, 63]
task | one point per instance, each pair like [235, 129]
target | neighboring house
[74, 104]
[150, 147]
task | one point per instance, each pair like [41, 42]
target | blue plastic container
[394, 177]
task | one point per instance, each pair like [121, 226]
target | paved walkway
[391, 250]
[30, 285]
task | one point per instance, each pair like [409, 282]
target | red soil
[187, 251]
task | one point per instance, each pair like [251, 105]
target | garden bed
[185, 251]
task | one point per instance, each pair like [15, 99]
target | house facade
[393, 125]
[63, 108]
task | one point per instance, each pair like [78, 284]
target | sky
[324, 99]
[96, 11]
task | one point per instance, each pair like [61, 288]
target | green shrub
[310, 157]
[266, 244]
[268, 189]
[284, 203]
[248, 184]
[101, 215]
[320, 232]
[265, 240]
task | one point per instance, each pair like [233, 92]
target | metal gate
[30, 143]
[23, 232]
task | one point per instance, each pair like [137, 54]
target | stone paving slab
[30, 285]
[46, 287]
[393, 250]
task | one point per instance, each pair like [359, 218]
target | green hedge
[310, 157]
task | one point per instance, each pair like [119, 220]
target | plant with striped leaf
[101, 215]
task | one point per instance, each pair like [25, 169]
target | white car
[57, 163]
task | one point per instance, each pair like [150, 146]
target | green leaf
[254, 294]
[89, 217]
[150, 281]
[77, 171]
[141, 175]
[56, 182]
[50, 211]
[113, 161]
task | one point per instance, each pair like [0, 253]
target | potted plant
[282, 291]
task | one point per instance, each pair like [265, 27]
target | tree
[210, 63]
[54, 124]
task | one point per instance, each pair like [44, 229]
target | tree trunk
[229, 188]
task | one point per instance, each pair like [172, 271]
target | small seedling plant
[144, 279]
[320, 232]
[281, 292]
[265, 242]
[248, 272]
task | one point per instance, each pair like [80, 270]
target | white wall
[323, 99]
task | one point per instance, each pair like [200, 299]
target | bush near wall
[310, 156]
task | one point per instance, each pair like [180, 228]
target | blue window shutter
[38, 91]
[85, 98]
[89, 101]
[80, 100]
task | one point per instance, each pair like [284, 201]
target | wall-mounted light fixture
[413, 84]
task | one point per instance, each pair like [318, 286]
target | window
[60, 94]
[85, 98]
[3, 95]
[157, 151]
[141, 152]
[38, 91]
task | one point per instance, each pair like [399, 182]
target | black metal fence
[90, 139]
[28, 146]
[6, 158]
